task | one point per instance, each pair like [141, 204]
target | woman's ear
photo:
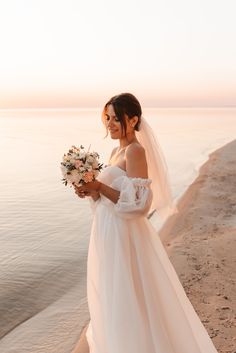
[134, 121]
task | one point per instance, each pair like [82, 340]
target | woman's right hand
[82, 194]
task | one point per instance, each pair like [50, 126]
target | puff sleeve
[135, 196]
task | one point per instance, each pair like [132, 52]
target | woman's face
[113, 124]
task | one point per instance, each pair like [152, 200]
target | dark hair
[124, 103]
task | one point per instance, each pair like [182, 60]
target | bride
[135, 298]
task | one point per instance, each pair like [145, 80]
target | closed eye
[108, 118]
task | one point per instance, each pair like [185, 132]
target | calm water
[44, 226]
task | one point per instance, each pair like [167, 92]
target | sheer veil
[157, 171]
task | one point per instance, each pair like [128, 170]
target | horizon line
[143, 107]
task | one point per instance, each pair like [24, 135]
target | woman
[136, 301]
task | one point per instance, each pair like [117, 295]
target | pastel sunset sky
[74, 53]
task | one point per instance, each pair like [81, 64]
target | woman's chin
[114, 137]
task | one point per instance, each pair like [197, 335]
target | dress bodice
[109, 173]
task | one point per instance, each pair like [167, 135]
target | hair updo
[124, 103]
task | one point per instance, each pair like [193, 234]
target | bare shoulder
[136, 164]
[135, 150]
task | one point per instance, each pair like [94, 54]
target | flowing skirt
[136, 301]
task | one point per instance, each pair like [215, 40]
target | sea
[45, 226]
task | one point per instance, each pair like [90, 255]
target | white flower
[90, 159]
[74, 176]
[95, 164]
[68, 158]
[63, 169]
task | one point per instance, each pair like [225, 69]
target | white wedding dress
[136, 301]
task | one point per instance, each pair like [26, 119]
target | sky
[72, 54]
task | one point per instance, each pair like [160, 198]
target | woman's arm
[109, 192]
[95, 188]
[95, 195]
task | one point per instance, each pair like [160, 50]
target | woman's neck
[127, 141]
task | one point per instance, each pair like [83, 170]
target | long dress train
[136, 301]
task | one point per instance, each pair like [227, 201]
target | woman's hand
[95, 188]
[88, 189]
[82, 193]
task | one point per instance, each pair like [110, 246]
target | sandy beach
[200, 242]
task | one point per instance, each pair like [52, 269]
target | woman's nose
[110, 123]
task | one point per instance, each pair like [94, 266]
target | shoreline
[200, 242]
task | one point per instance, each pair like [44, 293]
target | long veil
[157, 171]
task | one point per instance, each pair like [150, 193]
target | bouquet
[80, 167]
